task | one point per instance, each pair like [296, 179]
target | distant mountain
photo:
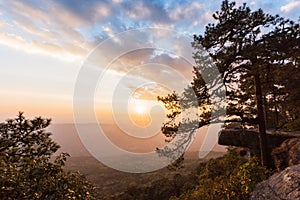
[67, 137]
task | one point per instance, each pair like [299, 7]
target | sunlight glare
[140, 109]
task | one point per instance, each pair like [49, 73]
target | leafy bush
[229, 177]
[26, 169]
[161, 189]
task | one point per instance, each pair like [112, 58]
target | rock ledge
[280, 186]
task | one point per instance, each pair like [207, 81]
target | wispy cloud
[37, 29]
[290, 6]
[65, 29]
[70, 30]
[185, 12]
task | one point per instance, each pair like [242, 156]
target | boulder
[287, 154]
[280, 186]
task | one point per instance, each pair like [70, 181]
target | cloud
[185, 12]
[248, 2]
[153, 11]
[101, 11]
[150, 91]
[177, 63]
[161, 71]
[138, 11]
[66, 52]
[12, 40]
[27, 26]
[39, 29]
[76, 28]
[85, 11]
[23, 9]
[290, 6]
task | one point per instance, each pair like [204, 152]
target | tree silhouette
[255, 54]
[26, 171]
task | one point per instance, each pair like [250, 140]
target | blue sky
[44, 43]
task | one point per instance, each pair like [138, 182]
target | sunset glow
[140, 112]
[149, 99]
[44, 44]
[140, 109]
[141, 119]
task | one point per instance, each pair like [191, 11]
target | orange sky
[44, 45]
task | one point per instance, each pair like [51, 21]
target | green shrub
[26, 169]
[229, 177]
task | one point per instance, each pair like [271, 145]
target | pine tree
[255, 54]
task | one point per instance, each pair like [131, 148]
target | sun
[140, 109]
[139, 114]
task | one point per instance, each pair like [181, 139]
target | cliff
[280, 186]
[248, 138]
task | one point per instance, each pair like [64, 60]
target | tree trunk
[261, 120]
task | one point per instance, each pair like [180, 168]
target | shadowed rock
[287, 154]
[280, 186]
[249, 139]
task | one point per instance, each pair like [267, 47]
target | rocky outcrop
[284, 148]
[280, 186]
[249, 139]
[287, 154]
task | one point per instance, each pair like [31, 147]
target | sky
[44, 44]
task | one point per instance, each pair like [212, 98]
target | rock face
[287, 154]
[281, 186]
[249, 139]
[284, 148]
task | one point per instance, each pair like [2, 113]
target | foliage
[228, 177]
[163, 188]
[257, 56]
[26, 169]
